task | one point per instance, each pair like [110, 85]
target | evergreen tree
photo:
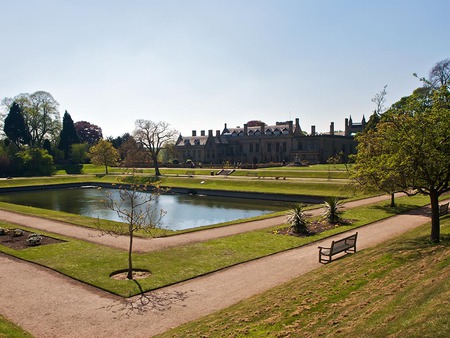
[15, 126]
[68, 136]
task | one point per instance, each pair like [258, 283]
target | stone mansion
[257, 142]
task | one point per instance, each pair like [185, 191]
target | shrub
[297, 220]
[333, 210]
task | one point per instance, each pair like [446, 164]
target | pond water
[183, 211]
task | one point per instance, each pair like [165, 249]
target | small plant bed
[19, 239]
[314, 228]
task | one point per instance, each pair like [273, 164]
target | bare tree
[135, 206]
[380, 99]
[154, 136]
[440, 74]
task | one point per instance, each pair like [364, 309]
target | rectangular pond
[183, 211]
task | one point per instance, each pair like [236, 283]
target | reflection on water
[183, 211]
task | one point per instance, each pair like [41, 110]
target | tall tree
[440, 74]
[369, 173]
[15, 126]
[154, 136]
[413, 138]
[103, 153]
[42, 117]
[68, 136]
[40, 111]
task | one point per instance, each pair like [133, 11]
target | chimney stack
[332, 128]
[313, 130]
[217, 133]
[210, 132]
[202, 133]
[194, 133]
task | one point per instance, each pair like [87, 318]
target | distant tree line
[35, 140]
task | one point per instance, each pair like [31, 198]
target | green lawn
[398, 289]
[93, 263]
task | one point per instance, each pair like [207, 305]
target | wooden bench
[443, 209]
[347, 244]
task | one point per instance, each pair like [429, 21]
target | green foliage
[80, 153]
[71, 169]
[332, 210]
[297, 220]
[68, 136]
[103, 153]
[15, 126]
[409, 150]
[40, 111]
[34, 162]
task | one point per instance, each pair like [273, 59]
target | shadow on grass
[405, 209]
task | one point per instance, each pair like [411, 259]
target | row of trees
[36, 139]
[406, 148]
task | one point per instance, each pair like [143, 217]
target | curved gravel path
[48, 304]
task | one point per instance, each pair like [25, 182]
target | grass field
[93, 263]
[400, 288]
[379, 292]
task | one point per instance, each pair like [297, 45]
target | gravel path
[48, 304]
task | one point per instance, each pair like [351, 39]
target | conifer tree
[68, 136]
[15, 126]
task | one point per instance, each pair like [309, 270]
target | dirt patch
[137, 274]
[20, 242]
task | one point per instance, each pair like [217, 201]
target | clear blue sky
[200, 64]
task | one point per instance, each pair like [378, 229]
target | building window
[269, 147]
[257, 147]
[284, 147]
[277, 147]
[251, 147]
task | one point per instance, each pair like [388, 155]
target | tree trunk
[435, 225]
[156, 164]
[130, 261]
[392, 200]
[106, 169]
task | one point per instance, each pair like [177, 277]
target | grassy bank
[398, 289]
[93, 263]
